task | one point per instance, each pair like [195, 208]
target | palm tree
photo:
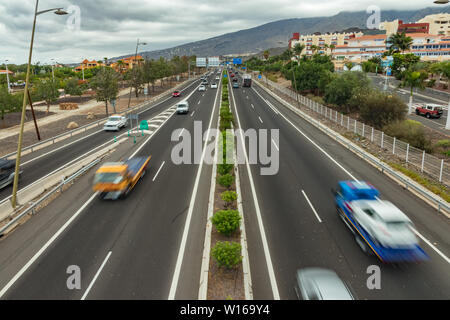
[399, 42]
[314, 49]
[414, 79]
[349, 65]
[332, 47]
[298, 49]
[266, 54]
[326, 46]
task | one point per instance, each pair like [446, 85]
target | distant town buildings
[121, 65]
[431, 41]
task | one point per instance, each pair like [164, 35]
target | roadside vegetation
[351, 92]
[225, 276]
[102, 81]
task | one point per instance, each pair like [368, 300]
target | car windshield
[114, 119]
[398, 225]
[108, 177]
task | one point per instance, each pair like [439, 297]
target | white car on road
[115, 123]
[385, 223]
[183, 107]
[213, 85]
[202, 88]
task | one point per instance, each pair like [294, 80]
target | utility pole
[134, 73]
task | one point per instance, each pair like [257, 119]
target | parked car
[217, 78]
[182, 107]
[176, 93]
[430, 110]
[320, 284]
[202, 88]
[7, 168]
[235, 85]
[232, 75]
[115, 123]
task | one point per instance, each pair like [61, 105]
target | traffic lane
[39, 168]
[152, 239]
[419, 211]
[297, 239]
[433, 283]
[101, 227]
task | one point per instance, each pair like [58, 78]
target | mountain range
[276, 34]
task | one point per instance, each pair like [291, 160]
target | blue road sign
[259, 76]
[237, 61]
[225, 76]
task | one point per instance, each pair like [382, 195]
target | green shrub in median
[225, 180]
[227, 254]
[229, 197]
[224, 168]
[226, 221]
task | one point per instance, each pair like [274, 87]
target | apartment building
[322, 41]
[398, 26]
[439, 23]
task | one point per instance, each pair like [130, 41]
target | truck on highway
[247, 81]
[116, 179]
[379, 227]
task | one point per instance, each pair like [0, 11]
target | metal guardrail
[441, 204]
[59, 188]
[87, 126]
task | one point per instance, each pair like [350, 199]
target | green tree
[47, 90]
[377, 108]
[403, 62]
[105, 83]
[414, 79]
[9, 102]
[298, 49]
[73, 88]
[266, 54]
[399, 42]
[341, 89]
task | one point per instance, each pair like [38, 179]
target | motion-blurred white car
[213, 85]
[202, 88]
[385, 223]
[320, 284]
[115, 122]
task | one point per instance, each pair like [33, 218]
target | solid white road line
[154, 178]
[275, 145]
[309, 202]
[192, 114]
[273, 281]
[180, 256]
[96, 276]
[253, 106]
[432, 246]
[181, 132]
[348, 173]
[46, 245]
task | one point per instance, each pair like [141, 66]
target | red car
[176, 93]
[232, 75]
[429, 110]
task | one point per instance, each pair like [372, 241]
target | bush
[443, 147]
[410, 131]
[226, 221]
[430, 83]
[229, 196]
[225, 180]
[227, 254]
[342, 88]
[378, 109]
[224, 168]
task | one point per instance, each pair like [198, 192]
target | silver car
[320, 284]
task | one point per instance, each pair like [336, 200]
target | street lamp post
[57, 11]
[134, 75]
[53, 72]
[7, 76]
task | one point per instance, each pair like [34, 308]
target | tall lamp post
[53, 72]
[7, 76]
[135, 55]
[57, 11]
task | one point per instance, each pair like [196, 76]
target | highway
[150, 245]
[126, 249]
[42, 162]
[300, 221]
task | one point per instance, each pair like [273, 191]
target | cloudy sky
[107, 28]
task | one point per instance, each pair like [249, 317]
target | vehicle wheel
[364, 247]
[428, 116]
